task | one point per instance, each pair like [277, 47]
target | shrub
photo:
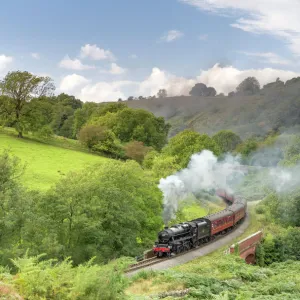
[91, 135]
[136, 151]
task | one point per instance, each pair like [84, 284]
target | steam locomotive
[191, 234]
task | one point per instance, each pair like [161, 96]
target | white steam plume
[285, 179]
[204, 172]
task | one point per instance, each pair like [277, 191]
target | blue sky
[101, 50]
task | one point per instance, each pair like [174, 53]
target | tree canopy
[109, 211]
[20, 88]
[227, 140]
[249, 86]
[188, 142]
[201, 90]
[135, 124]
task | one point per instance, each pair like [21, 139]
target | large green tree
[107, 211]
[188, 142]
[227, 140]
[135, 124]
[20, 88]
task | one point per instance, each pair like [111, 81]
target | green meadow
[45, 164]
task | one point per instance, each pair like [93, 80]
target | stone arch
[250, 259]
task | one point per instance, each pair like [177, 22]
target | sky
[101, 50]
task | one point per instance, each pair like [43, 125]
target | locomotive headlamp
[170, 247]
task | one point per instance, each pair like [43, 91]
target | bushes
[51, 280]
[227, 140]
[188, 142]
[282, 247]
[136, 151]
[100, 139]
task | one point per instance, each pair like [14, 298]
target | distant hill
[276, 106]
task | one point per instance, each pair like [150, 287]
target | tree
[164, 166]
[120, 100]
[188, 142]
[247, 147]
[162, 93]
[107, 211]
[21, 88]
[249, 86]
[136, 150]
[130, 98]
[91, 135]
[135, 124]
[82, 115]
[201, 90]
[227, 140]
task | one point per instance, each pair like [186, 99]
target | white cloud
[279, 18]
[95, 53]
[104, 91]
[203, 37]
[172, 35]
[114, 70]
[269, 57]
[160, 79]
[5, 61]
[72, 83]
[223, 79]
[74, 64]
[133, 56]
[35, 55]
[226, 79]
[101, 91]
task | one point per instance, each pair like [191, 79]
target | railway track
[154, 260]
[145, 263]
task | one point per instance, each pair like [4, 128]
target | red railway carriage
[221, 221]
[239, 210]
[229, 198]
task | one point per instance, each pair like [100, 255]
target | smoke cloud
[204, 173]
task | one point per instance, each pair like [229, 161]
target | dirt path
[198, 252]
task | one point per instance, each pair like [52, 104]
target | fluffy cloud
[114, 70]
[72, 83]
[104, 91]
[5, 61]
[172, 35]
[279, 18]
[226, 79]
[96, 53]
[97, 92]
[74, 64]
[223, 79]
[35, 55]
[269, 57]
[160, 79]
[133, 56]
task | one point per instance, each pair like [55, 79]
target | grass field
[45, 164]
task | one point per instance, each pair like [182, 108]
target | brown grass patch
[150, 287]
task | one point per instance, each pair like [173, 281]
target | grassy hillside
[276, 106]
[45, 164]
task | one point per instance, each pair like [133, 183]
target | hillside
[275, 107]
[45, 164]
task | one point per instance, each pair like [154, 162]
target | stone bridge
[247, 247]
